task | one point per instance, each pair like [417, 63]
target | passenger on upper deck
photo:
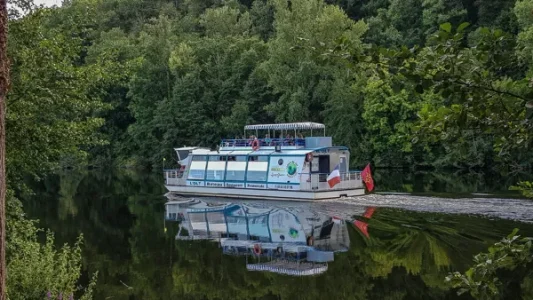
[268, 141]
[289, 140]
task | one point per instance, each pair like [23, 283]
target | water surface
[413, 242]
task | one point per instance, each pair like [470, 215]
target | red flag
[367, 178]
[369, 212]
[363, 227]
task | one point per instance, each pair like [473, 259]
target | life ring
[255, 145]
[309, 157]
[257, 249]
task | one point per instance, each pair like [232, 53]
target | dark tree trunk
[4, 85]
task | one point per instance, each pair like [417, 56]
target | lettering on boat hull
[256, 186]
[195, 183]
[235, 185]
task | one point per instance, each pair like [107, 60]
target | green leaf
[463, 26]
[446, 27]
[515, 231]
[461, 291]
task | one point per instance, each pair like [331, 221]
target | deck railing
[263, 142]
[175, 177]
[319, 182]
[308, 182]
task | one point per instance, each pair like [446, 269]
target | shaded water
[413, 243]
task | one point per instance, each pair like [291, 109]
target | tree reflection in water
[406, 255]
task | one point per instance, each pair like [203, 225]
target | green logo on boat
[293, 233]
[292, 167]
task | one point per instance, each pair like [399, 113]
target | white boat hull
[261, 193]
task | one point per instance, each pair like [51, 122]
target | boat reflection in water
[295, 240]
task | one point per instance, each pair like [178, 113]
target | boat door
[323, 167]
[343, 166]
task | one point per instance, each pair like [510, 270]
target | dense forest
[427, 83]
[403, 83]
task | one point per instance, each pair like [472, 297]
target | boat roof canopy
[255, 153]
[286, 126]
[269, 151]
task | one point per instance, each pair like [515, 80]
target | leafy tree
[150, 85]
[37, 270]
[262, 16]
[225, 21]
[525, 187]
[208, 84]
[117, 47]
[52, 104]
[496, 14]
[398, 24]
[436, 12]
[482, 281]
[302, 82]
[470, 95]
[389, 118]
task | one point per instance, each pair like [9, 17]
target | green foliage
[525, 187]
[54, 101]
[389, 117]
[225, 21]
[36, 269]
[128, 80]
[472, 112]
[512, 254]
[302, 82]
[416, 84]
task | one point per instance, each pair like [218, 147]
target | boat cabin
[267, 157]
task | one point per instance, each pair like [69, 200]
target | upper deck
[287, 135]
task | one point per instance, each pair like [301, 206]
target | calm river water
[413, 241]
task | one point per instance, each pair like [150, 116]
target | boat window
[258, 220]
[215, 175]
[215, 217]
[232, 219]
[217, 158]
[196, 174]
[235, 175]
[258, 158]
[256, 176]
[197, 218]
[237, 158]
[198, 158]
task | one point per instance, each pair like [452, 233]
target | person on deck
[300, 140]
[268, 141]
[289, 140]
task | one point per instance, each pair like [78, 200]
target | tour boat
[287, 167]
